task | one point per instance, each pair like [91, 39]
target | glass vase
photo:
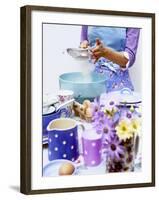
[126, 163]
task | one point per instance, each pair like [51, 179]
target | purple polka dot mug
[92, 148]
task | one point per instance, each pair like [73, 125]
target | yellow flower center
[124, 128]
[134, 126]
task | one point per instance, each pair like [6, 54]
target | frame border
[25, 96]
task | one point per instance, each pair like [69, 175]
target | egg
[88, 112]
[66, 169]
[82, 108]
[86, 103]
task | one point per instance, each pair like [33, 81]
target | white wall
[10, 104]
[56, 39]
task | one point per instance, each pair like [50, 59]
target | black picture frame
[26, 106]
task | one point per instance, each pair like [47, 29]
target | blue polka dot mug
[63, 139]
[46, 118]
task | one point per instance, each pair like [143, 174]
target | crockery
[84, 86]
[48, 110]
[52, 169]
[64, 95]
[46, 118]
[92, 147]
[67, 103]
[63, 139]
[48, 101]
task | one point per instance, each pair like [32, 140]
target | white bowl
[52, 169]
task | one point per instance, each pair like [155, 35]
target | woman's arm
[84, 33]
[119, 58]
[132, 38]
[84, 39]
[110, 54]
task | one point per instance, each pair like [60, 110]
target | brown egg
[82, 108]
[86, 103]
[88, 112]
[66, 169]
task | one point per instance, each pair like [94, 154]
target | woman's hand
[98, 51]
[84, 44]
[101, 51]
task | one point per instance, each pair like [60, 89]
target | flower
[96, 105]
[116, 117]
[108, 129]
[110, 103]
[126, 113]
[135, 126]
[98, 116]
[106, 106]
[114, 149]
[123, 130]
[102, 124]
[98, 127]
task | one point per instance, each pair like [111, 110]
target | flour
[86, 69]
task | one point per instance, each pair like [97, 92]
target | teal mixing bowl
[83, 86]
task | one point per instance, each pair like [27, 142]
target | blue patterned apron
[114, 38]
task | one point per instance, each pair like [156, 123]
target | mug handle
[79, 124]
[65, 112]
[82, 127]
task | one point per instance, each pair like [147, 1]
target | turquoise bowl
[83, 86]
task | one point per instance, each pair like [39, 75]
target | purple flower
[116, 117]
[127, 114]
[110, 101]
[108, 128]
[101, 123]
[98, 116]
[96, 105]
[114, 149]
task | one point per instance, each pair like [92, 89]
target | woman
[113, 50]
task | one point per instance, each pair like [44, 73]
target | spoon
[64, 104]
